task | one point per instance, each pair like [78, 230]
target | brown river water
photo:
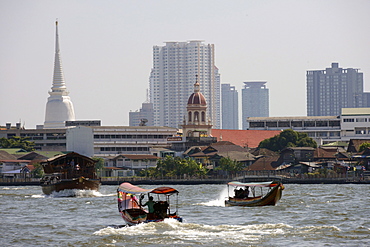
[307, 215]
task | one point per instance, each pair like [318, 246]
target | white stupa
[59, 107]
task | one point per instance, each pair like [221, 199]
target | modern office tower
[330, 90]
[143, 117]
[175, 68]
[255, 101]
[59, 107]
[230, 109]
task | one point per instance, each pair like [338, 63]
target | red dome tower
[196, 123]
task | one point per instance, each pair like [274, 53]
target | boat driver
[150, 205]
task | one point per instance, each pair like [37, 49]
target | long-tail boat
[67, 172]
[131, 207]
[255, 194]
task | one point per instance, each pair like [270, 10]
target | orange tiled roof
[244, 138]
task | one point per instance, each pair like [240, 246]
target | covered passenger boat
[255, 194]
[67, 172]
[131, 208]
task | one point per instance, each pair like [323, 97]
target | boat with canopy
[132, 209]
[71, 171]
[254, 194]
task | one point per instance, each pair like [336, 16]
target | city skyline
[107, 50]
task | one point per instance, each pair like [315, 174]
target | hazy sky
[106, 49]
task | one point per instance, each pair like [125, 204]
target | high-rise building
[143, 117]
[255, 101]
[230, 109]
[175, 68]
[330, 90]
[59, 107]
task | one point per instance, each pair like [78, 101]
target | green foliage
[363, 146]
[17, 142]
[38, 172]
[288, 138]
[176, 166]
[99, 163]
[226, 164]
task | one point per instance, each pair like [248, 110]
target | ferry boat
[67, 172]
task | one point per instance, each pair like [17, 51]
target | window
[271, 124]
[361, 120]
[360, 131]
[296, 123]
[309, 124]
[347, 120]
[284, 124]
[256, 124]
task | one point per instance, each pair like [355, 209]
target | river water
[307, 215]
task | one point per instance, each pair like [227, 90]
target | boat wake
[170, 233]
[192, 233]
[73, 193]
[219, 202]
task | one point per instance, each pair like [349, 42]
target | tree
[229, 165]
[363, 146]
[176, 166]
[288, 138]
[17, 142]
[99, 164]
[38, 172]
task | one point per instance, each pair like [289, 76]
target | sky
[106, 49]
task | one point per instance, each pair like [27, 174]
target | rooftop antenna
[147, 96]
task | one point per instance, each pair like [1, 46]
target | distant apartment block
[143, 117]
[175, 68]
[330, 90]
[230, 109]
[255, 101]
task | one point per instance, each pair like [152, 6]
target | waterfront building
[175, 67]
[59, 107]
[330, 90]
[355, 123]
[106, 141]
[323, 129]
[230, 107]
[352, 123]
[124, 165]
[94, 140]
[255, 101]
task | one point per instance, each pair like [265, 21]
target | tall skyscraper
[175, 67]
[255, 101]
[330, 90]
[59, 107]
[230, 109]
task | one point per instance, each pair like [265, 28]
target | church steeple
[59, 107]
